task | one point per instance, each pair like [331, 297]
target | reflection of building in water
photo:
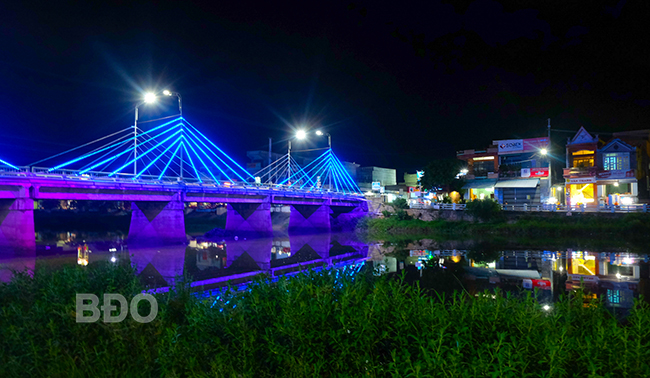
[613, 277]
[281, 249]
[82, 254]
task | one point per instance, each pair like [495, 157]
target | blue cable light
[170, 160]
[215, 146]
[110, 146]
[141, 156]
[7, 164]
[213, 162]
[201, 160]
[159, 156]
[341, 178]
[318, 167]
[192, 163]
[346, 174]
[305, 172]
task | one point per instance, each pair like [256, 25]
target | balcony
[575, 172]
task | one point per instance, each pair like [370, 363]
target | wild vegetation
[326, 323]
[630, 226]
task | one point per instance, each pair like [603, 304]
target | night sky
[396, 84]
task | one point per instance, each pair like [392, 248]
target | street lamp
[150, 98]
[300, 134]
[329, 144]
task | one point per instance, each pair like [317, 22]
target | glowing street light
[543, 151]
[149, 98]
[301, 134]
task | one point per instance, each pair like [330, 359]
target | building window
[583, 161]
[616, 161]
[613, 296]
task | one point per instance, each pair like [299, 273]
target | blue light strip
[296, 168]
[170, 160]
[347, 175]
[213, 162]
[111, 146]
[306, 173]
[336, 180]
[215, 146]
[201, 160]
[156, 159]
[305, 167]
[7, 164]
[141, 156]
[315, 176]
[192, 163]
[313, 171]
[344, 184]
[217, 156]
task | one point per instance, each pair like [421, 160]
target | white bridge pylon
[325, 173]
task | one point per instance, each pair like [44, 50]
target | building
[352, 169]
[607, 173]
[384, 176]
[512, 171]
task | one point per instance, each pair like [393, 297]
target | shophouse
[607, 173]
[513, 171]
[482, 172]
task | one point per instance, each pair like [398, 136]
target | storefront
[479, 189]
[518, 192]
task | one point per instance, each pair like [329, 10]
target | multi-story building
[367, 175]
[613, 172]
[513, 171]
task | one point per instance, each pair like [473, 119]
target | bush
[400, 203]
[386, 213]
[484, 210]
[402, 215]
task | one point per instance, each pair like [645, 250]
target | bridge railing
[98, 176]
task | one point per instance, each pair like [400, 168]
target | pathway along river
[615, 274]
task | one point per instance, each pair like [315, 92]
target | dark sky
[397, 84]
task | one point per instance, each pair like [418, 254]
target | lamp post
[329, 144]
[300, 134]
[149, 98]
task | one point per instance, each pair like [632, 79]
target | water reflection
[614, 277]
[209, 263]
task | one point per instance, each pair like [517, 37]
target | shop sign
[587, 279]
[511, 145]
[376, 185]
[581, 180]
[525, 172]
[542, 284]
[539, 172]
[616, 174]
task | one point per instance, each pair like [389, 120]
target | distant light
[167, 93]
[546, 307]
[618, 275]
[616, 183]
[319, 133]
[301, 134]
[113, 259]
[544, 151]
[149, 98]
[464, 171]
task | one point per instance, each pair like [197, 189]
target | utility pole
[548, 155]
[289, 164]
[269, 164]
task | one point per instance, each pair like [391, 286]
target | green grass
[314, 324]
[630, 226]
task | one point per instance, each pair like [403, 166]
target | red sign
[539, 172]
[616, 174]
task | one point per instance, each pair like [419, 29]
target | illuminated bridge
[160, 169]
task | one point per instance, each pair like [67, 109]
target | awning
[480, 184]
[521, 183]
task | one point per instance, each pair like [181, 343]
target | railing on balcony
[581, 171]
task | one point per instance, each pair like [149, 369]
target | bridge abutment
[157, 221]
[249, 219]
[309, 219]
[17, 223]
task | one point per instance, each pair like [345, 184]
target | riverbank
[314, 324]
[595, 226]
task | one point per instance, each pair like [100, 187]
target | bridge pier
[345, 218]
[17, 223]
[157, 221]
[250, 254]
[249, 219]
[309, 219]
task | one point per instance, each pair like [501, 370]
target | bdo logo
[108, 308]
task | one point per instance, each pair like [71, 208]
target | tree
[442, 174]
